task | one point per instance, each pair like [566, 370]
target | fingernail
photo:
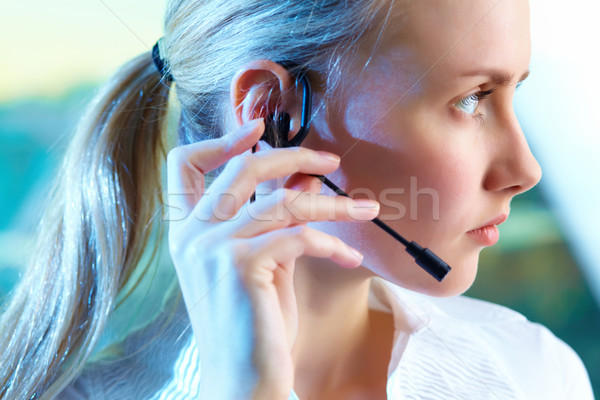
[366, 204]
[253, 124]
[318, 185]
[329, 156]
[356, 253]
[365, 207]
[250, 127]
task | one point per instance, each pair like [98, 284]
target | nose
[513, 169]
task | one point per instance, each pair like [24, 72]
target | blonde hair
[106, 200]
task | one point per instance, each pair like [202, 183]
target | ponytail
[101, 212]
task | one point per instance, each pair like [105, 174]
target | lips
[488, 234]
[496, 221]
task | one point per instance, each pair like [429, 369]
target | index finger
[186, 165]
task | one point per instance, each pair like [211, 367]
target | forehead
[444, 38]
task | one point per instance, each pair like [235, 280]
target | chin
[457, 281]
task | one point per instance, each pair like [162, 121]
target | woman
[296, 293]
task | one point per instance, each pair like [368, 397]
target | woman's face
[413, 134]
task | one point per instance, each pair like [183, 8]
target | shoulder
[477, 341]
[537, 359]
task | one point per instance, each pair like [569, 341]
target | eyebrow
[498, 77]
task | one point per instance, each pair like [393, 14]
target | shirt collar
[411, 311]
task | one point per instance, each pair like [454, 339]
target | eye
[470, 103]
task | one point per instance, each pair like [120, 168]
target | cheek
[425, 182]
[429, 187]
[451, 174]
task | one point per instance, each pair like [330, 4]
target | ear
[261, 87]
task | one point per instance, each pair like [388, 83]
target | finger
[303, 182]
[243, 173]
[287, 207]
[186, 165]
[281, 247]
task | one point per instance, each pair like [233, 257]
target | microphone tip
[429, 261]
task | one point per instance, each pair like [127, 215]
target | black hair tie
[160, 64]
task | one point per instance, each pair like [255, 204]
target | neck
[334, 324]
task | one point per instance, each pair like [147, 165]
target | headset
[277, 128]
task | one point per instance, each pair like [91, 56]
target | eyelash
[475, 97]
[478, 97]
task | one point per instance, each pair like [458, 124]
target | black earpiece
[277, 126]
[277, 129]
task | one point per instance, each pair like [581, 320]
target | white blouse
[455, 348]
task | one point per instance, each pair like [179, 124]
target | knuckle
[300, 151]
[178, 239]
[243, 162]
[287, 196]
[298, 156]
[222, 143]
[327, 244]
[297, 151]
[202, 245]
[240, 250]
[284, 200]
[175, 245]
[189, 243]
[337, 242]
[254, 277]
[270, 209]
[306, 154]
[302, 232]
[245, 166]
[220, 256]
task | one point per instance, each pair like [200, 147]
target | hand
[235, 262]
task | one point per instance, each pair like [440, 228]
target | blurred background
[55, 54]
